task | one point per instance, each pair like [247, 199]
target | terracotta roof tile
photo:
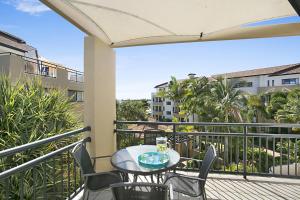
[287, 69]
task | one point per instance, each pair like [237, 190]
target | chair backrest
[151, 135]
[139, 191]
[207, 162]
[83, 159]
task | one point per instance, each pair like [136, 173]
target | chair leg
[88, 194]
[158, 177]
[204, 195]
[84, 193]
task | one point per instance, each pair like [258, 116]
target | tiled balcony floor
[225, 187]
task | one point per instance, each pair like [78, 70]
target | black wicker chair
[140, 191]
[189, 185]
[93, 181]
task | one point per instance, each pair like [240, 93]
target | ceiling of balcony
[142, 22]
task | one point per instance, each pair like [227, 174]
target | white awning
[141, 22]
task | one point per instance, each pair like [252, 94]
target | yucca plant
[28, 113]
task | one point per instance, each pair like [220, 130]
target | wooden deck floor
[225, 187]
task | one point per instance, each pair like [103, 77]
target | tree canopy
[220, 101]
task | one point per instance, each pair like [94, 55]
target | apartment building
[279, 78]
[19, 60]
[16, 45]
[262, 80]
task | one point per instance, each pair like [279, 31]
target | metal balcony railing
[243, 148]
[75, 76]
[47, 69]
[26, 175]
[263, 149]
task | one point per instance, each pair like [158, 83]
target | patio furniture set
[126, 162]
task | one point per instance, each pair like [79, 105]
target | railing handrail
[269, 125]
[38, 143]
[47, 62]
[35, 161]
[243, 135]
[203, 133]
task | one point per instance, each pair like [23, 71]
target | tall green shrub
[28, 113]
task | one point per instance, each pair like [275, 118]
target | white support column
[100, 98]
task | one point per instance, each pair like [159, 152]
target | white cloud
[32, 7]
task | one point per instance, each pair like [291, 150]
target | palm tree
[229, 103]
[255, 108]
[175, 90]
[290, 112]
[278, 100]
[228, 100]
[195, 98]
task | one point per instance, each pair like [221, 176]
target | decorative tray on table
[153, 160]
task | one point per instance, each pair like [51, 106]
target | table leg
[135, 178]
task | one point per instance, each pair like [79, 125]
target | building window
[79, 96]
[273, 83]
[168, 102]
[268, 83]
[168, 112]
[76, 96]
[290, 81]
[243, 84]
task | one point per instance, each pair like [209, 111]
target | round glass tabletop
[126, 160]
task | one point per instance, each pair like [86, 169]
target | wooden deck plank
[234, 187]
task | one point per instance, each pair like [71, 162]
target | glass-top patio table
[126, 160]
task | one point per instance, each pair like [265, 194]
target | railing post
[245, 152]
[174, 136]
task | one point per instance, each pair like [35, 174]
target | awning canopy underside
[141, 22]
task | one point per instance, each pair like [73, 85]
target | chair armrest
[101, 173]
[183, 176]
[100, 157]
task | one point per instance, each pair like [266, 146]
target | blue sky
[141, 68]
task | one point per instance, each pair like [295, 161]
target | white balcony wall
[100, 99]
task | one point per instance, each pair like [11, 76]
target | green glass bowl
[153, 160]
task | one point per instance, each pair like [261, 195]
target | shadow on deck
[223, 187]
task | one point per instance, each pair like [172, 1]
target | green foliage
[195, 97]
[278, 100]
[255, 110]
[233, 167]
[132, 110]
[127, 140]
[290, 111]
[28, 114]
[175, 91]
[228, 101]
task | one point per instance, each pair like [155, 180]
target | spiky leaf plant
[28, 113]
